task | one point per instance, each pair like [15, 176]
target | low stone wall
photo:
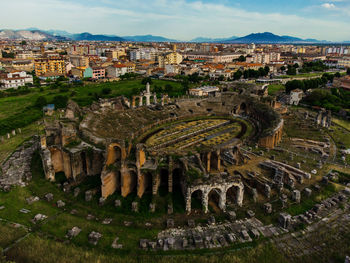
[16, 169]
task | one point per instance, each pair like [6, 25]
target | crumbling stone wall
[16, 169]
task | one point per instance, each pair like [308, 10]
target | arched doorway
[243, 109]
[177, 179]
[214, 200]
[164, 182]
[148, 182]
[196, 200]
[214, 161]
[231, 195]
[83, 161]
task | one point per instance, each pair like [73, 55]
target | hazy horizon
[184, 19]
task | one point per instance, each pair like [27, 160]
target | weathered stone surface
[307, 192]
[49, 197]
[39, 217]
[284, 220]
[118, 203]
[170, 209]
[76, 191]
[60, 203]
[135, 207]
[115, 244]
[101, 201]
[211, 220]
[152, 207]
[73, 232]
[94, 237]
[107, 221]
[232, 215]
[268, 208]
[250, 213]
[16, 169]
[191, 223]
[170, 223]
[32, 199]
[89, 195]
[296, 196]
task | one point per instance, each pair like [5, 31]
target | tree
[146, 80]
[291, 70]
[241, 58]
[337, 75]
[60, 101]
[296, 65]
[348, 71]
[237, 75]
[283, 68]
[294, 84]
[40, 102]
[23, 43]
[106, 91]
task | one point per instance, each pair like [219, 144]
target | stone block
[60, 203]
[284, 220]
[268, 208]
[307, 192]
[117, 203]
[231, 215]
[94, 237]
[101, 201]
[115, 244]
[76, 191]
[49, 197]
[191, 223]
[39, 217]
[170, 223]
[296, 196]
[211, 220]
[152, 207]
[135, 207]
[73, 232]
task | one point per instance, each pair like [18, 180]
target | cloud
[180, 19]
[328, 5]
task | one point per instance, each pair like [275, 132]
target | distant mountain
[148, 38]
[61, 33]
[90, 37]
[269, 38]
[27, 35]
[211, 40]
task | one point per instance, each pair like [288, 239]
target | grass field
[273, 89]
[304, 75]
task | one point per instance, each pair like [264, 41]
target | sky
[183, 19]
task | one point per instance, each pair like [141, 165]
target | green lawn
[273, 89]
[303, 75]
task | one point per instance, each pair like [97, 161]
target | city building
[15, 80]
[52, 66]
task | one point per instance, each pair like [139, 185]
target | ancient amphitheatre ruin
[188, 145]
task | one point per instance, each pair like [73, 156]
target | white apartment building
[15, 80]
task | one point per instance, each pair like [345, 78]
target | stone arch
[197, 199]
[234, 193]
[215, 161]
[84, 162]
[164, 180]
[116, 153]
[128, 182]
[242, 109]
[177, 179]
[148, 182]
[231, 194]
[214, 199]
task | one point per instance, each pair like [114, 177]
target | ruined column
[155, 98]
[148, 99]
[162, 100]
[133, 103]
[205, 198]
[155, 183]
[208, 161]
[170, 175]
[141, 101]
[219, 161]
[240, 193]
[222, 202]
[188, 201]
